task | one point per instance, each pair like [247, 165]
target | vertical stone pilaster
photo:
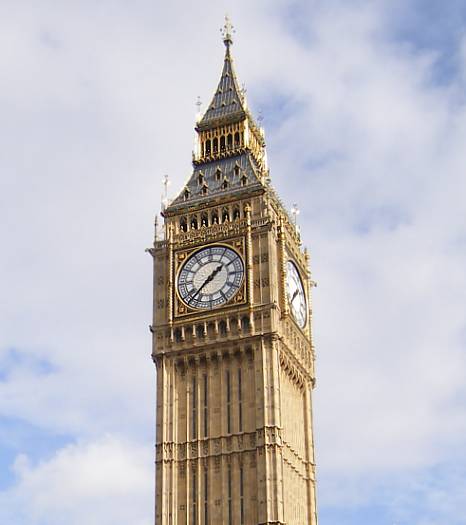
[311, 483]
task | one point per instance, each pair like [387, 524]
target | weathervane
[227, 31]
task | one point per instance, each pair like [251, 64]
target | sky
[364, 110]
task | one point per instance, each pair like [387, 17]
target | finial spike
[295, 213]
[165, 199]
[227, 32]
[260, 117]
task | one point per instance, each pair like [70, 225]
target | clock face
[210, 277]
[295, 294]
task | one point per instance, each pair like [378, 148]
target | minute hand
[208, 280]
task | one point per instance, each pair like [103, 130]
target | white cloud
[98, 103]
[108, 481]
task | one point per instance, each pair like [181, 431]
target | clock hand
[294, 296]
[208, 280]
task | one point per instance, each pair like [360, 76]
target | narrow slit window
[206, 497]
[194, 409]
[241, 495]
[230, 501]
[228, 382]
[194, 497]
[240, 401]
[206, 407]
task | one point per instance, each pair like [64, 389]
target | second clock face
[210, 277]
[295, 293]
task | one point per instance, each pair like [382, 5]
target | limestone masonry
[232, 339]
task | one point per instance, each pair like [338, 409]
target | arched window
[222, 143]
[178, 335]
[237, 169]
[200, 178]
[214, 217]
[183, 224]
[187, 194]
[215, 145]
[230, 141]
[194, 223]
[208, 147]
[225, 184]
[237, 140]
[210, 330]
[245, 324]
[199, 331]
[236, 213]
[204, 189]
[204, 220]
[225, 215]
[222, 328]
[244, 180]
[218, 173]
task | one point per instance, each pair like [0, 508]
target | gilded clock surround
[234, 440]
[238, 246]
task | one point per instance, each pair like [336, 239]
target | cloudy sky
[364, 108]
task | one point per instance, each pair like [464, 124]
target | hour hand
[296, 292]
[208, 280]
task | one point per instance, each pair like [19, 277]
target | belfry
[232, 340]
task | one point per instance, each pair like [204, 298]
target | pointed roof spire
[229, 101]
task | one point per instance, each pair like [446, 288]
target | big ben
[232, 340]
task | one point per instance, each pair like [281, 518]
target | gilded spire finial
[227, 32]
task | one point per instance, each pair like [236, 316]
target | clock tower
[232, 340]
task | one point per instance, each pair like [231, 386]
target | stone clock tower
[232, 336]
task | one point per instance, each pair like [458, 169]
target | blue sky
[365, 119]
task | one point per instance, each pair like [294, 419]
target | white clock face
[295, 294]
[210, 277]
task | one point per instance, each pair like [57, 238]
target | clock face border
[181, 309]
[290, 261]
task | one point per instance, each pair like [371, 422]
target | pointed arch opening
[200, 331]
[204, 220]
[222, 328]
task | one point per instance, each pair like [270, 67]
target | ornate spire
[229, 154]
[229, 101]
